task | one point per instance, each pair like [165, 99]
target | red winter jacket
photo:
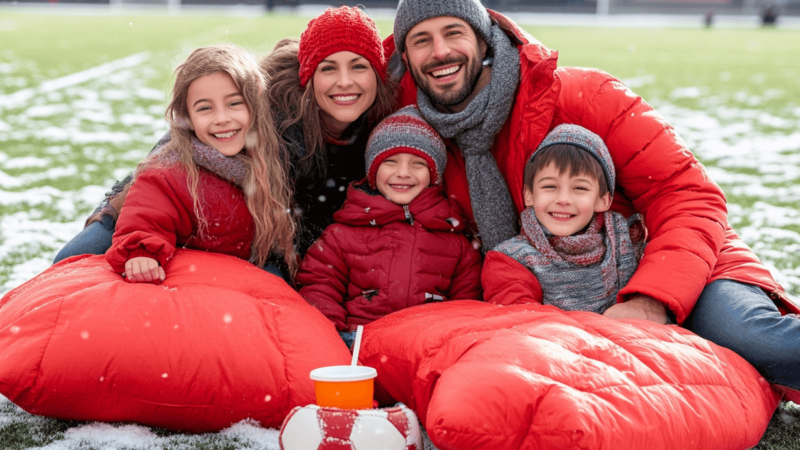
[373, 262]
[158, 215]
[690, 241]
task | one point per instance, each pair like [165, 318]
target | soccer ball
[314, 428]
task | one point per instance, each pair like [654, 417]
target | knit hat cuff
[380, 157]
[309, 66]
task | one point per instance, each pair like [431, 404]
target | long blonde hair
[298, 105]
[268, 193]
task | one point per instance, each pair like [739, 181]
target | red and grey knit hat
[405, 131]
[342, 29]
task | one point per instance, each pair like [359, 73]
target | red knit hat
[338, 30]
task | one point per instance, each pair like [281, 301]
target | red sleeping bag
[219, 341]
[483, 376]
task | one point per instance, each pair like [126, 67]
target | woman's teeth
[225, 135]
[444, 72]
[345, 98]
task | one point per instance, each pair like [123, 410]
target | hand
[96, 217]
[144, 270]
[639, 307]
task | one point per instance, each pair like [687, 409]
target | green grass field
[733, 95]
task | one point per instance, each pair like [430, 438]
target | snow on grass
[65, 141]
[19, 427]
[755, 157]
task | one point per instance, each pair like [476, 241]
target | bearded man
[494, 92]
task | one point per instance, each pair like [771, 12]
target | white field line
[19, 98]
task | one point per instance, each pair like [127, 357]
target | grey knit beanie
[582, 138]
[411, 12]
[406, 131]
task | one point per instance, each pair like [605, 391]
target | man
[494, 92]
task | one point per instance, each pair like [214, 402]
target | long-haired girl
[215, 107]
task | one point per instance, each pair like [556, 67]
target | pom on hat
[339, 30]
[405, 131]
[586, 140]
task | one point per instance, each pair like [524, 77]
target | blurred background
[768, 10]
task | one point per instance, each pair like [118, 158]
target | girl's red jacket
[158, 216]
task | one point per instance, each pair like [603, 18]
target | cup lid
[343, 373]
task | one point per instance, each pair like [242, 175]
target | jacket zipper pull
[409, 218]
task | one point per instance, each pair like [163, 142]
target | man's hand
[144, 270]
[639, 307]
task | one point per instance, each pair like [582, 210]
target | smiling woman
[345, 87]
[328, 90]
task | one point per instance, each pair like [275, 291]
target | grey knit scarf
[473, 130]
[230, 168]
[585, 271]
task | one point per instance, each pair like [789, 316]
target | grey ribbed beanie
[411, 12]
[582, 138]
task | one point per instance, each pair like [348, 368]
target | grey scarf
[230, 168]
[473, 130]
[585, 271]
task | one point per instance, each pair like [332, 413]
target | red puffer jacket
[158, 215]
[690, 240]
[373, 262]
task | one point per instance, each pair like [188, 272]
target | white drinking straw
[357, 345]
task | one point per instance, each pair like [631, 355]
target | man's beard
[449, 97]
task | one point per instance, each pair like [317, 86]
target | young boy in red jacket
[572, 251]
[396, 242]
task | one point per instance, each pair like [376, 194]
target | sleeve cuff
[142, 253]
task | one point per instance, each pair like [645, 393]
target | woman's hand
[144, 270]
[639, 307]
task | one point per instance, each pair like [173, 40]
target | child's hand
[144, 270]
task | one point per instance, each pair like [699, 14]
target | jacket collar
[367, 207]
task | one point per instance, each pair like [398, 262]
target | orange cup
[345, 387]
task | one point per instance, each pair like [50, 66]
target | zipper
[409, 218]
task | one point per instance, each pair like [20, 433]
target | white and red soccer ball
[315, 428]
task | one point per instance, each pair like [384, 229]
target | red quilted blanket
[219, 341]
[483, 376]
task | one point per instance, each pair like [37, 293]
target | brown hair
[267, 191]
[566, 157]
[293, 104]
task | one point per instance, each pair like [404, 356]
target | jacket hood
[367, 207]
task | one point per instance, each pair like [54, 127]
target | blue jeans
[94, 240]
[742, 317]
[349, 338]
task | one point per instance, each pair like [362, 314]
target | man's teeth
[345, 98]
[444, 72]
[225, 135]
